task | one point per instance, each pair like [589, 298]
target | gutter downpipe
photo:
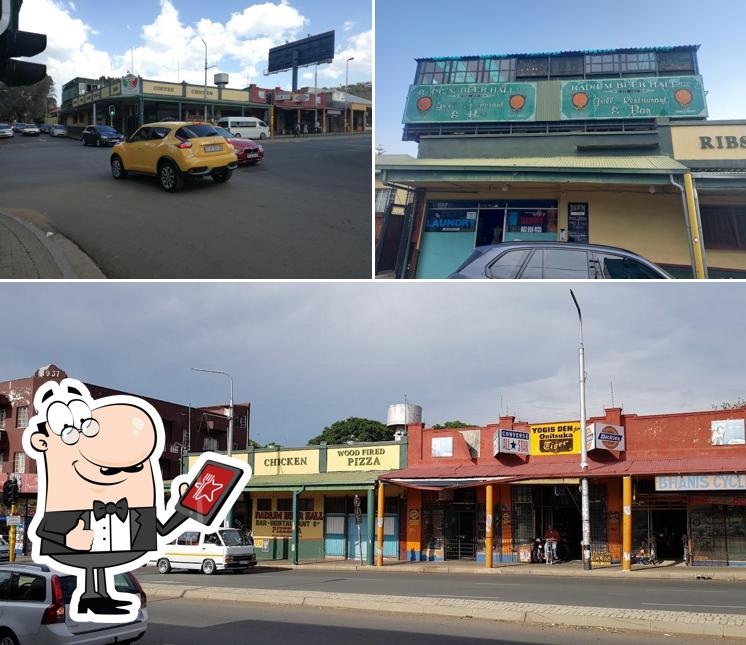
[294, 545]
[695, 256]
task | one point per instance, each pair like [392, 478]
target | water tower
[221, 80]
[400, 415]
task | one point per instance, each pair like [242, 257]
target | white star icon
[208, 481]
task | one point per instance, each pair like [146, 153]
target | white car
[6, 130]
[31, 130]
[220, 551]
[58, 131]
[34, 609]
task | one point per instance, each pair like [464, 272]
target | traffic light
[10, 492]
[18, 43]
[269, 98]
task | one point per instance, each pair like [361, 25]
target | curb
[639, 620]
[69, 259]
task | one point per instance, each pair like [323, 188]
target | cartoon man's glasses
[71, 420]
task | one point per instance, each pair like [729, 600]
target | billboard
[603, 436]
[309, 51]
[511, 442]
[555, 438]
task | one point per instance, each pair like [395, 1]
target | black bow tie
[120, 509]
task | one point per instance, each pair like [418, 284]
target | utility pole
[347, 78]
[205, 44]
[584, 502]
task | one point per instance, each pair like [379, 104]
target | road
[189, 622]
[303, 212]
[708, 596]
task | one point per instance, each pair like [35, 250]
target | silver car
[58, 131]
[34, 609]
[31, 130]
[6, 130]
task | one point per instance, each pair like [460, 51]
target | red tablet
[209, 491]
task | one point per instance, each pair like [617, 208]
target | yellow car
[173, 150]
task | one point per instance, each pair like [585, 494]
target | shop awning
[319, 482]
[442, 484]
[639, 169]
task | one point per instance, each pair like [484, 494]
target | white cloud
[239, 46]
[349, 24]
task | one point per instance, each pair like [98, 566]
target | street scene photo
[175, 139]
[580, 142]
[571, 470]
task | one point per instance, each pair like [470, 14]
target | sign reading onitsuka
[561, 438]
[633, 98]
[480, 102]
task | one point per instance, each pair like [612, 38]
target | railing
[460, 549]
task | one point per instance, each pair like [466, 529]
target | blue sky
[407, 30]
[94, 38]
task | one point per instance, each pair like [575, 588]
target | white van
[211, 552]
[248, 127]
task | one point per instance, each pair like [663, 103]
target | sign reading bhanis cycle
[633, 98]
[471, 103]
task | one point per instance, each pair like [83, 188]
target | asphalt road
[707, 596]
[303, 212]
[189, 622]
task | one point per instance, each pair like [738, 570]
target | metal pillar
[379, 526]
[627, 523]
[371, 526]
[489, 538]
[294, 543]
[700, 266]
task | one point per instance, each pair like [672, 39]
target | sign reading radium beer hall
[481, 102]
[362, 458]
[633, 98]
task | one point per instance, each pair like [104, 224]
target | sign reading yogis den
[633, 98]
[362, 458]
[561, 438]
[482, 102]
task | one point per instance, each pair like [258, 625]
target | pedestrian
[296, 130]
[305, 129]
[317, 127]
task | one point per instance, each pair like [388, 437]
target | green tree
[27, 103]
[731, 405]
[353, 429]
[451, 424]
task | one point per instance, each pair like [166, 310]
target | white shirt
[110, 533]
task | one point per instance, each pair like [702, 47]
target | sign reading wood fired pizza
[561, 438]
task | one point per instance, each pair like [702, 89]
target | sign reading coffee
[480, 102]
[562, 438]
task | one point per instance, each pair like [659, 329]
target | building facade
[687, 472]
[185, 428]
[574, 146]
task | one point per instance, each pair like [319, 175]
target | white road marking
[662, 604]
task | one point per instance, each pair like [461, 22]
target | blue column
[371, 525]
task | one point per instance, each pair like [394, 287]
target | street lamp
[230, 424]
[347, 76]
[206, 68]
[584, 504]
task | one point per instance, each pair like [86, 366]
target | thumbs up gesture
[79, 538]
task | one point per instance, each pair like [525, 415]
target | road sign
[13, 520]
[356, 501]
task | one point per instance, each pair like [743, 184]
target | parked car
[225, 549]
[557, 260]
[45, 128]
[6, 130]
[4, 549]
[100, 135]
[30, 130]
[247, 151]
[58, 131]
[18, 127]
[34, 609]
[175, 150]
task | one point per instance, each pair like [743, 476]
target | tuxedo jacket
[144, 529]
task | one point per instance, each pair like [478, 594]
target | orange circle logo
[424, 103]
[517, 102]
[580, 100]
[683, 97]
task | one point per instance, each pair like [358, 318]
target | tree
[26, 103]
[731, 405]
[451, 424]
[353, 429]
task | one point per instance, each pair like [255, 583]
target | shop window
[523, 515]
[724, 227]
[21, 416]
[284, 503]
[264, 504]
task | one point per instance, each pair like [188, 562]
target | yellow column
[12, 538]
[489, 538]
[379, 526]
[696, 241]
[627, 523]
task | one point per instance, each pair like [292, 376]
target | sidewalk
[664, 570]
[27, 252]
[666, 622]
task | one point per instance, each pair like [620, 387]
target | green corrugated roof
[653, 164]
[572, 52]
[317, 481]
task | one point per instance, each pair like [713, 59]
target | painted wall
[272, 529]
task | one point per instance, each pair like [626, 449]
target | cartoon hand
[183, 489]
[79, 538]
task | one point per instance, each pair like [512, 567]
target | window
[143, 134]
[210, 443]
[637, 62]
[724, 227]
[676, 61]
[3, 415]
[21, 416]
[305, 503]
[602, 64]
[284, 503]
[619, 267]
[558, 264]
[264, 504]
[29, 588]
[19, 462]
[190, 538]
[384, 199]
[212, 538]
[195, 131]
[159, 133]
[507, 265]
[5, 579]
